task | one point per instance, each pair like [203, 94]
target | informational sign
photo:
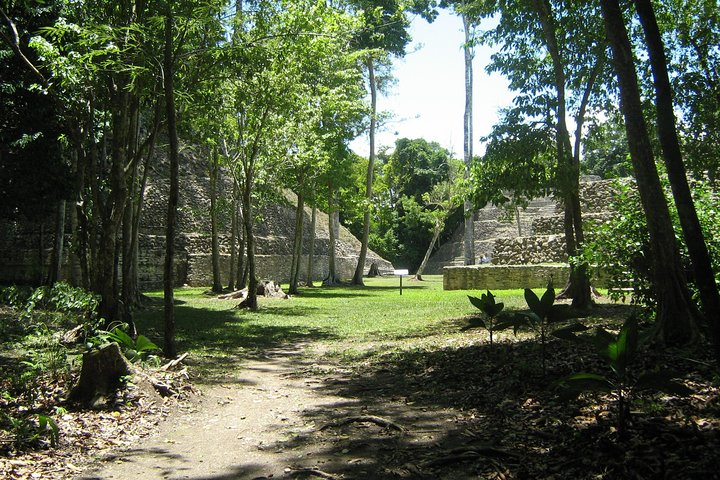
[400, 274]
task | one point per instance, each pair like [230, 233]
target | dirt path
[236, 430]
[282, 416]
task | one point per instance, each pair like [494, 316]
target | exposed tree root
[174, 363]
[380, 422]
[310, 472]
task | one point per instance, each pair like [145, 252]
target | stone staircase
[538, 233]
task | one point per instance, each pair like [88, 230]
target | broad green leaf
[122, 338]
[475, 322]
[504, 325]
[623, 351]
[533, 301]
[479, 303]
[548, 298]
[143, 344]
[496, 309]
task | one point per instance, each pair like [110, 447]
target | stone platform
[503, 277]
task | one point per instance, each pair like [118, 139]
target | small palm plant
[619, 351]
[544, 313]
[491, 321]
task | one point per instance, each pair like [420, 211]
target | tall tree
[676, 320]
[468, 139]
[667, 133]
[384, 32]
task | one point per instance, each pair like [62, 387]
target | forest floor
[431, 406]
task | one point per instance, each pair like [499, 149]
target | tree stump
[100, 375]
[374, 271]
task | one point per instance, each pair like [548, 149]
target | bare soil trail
[278, 416]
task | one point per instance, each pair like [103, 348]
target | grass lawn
[347, 321]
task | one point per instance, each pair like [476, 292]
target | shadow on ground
[226, 338]
[174, 466]
[489, 412]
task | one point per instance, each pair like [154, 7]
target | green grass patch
[346, 321]
[342, 318]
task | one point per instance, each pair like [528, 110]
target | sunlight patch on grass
[349, 321]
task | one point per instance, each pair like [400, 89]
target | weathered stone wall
[529, 250]
[500, 277]
[24, 260]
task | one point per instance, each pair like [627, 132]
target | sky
[428, 99]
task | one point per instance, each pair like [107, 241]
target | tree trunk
[215, 247]
[251, 300]
[667, 132]
[469, 237]
[57, 253]
[101, 374]
[311, 249]
[137, 215]
[578, 287]
[169, 348]
[360, 269]
[676, 314]
[331, 278]
[127, 294]
[242, 270]
[234, 233]
[423, 264]
[297, 243]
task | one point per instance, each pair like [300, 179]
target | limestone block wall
[530, 250]
[500, 277]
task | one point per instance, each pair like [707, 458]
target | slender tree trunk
[297, 243]
[423, 264]
[112, 211]
[578, 287]
[215, 246]
[667, 132]
[234, 234]
[57, 252]
[251, 300]
[468, 50]
[137, 215]
[242, 270]
[127, 295]
[331, 278]
[676, 314]
[311, 249]
[169, 347]
[360, 269]
[39, 275]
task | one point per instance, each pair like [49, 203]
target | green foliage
[544, 313]
[61, 297]
[605, 152]
[492, 310]
[29, 430]
[620, 247]
[407, 204]
[47, 427]
[517, 165]
[15, 296]
[134, 350]
[619, 351]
